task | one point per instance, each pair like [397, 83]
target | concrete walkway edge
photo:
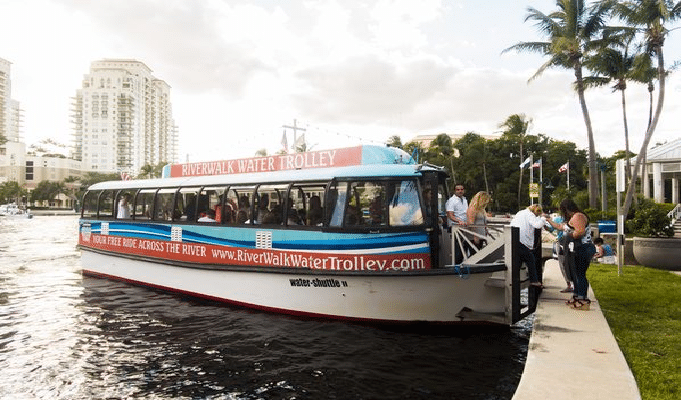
[572, 354]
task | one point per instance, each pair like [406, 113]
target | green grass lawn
[643, 309]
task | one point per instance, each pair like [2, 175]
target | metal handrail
[675, 213]
[464, 234]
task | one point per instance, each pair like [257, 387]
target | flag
[300, 141]
[564, 167]
[525, 163]
[537, 164]
[125, 176]
[284, 142]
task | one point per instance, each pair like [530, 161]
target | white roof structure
[667, 152]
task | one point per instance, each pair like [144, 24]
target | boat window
[308, 200]
[124, 203]
[90, 200]
[185, 203]
[336, 203]
[367, 204]
[376, 204]
[404, 207]
[268, 204]
[143, 207]
[163, 211]
[210, 204]
[243, 197]
[106, 202]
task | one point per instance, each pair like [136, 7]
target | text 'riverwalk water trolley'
[353, 234]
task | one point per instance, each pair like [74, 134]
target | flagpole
[541, 179]
[568, 176]
[531, 178]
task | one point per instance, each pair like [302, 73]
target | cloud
[368, 89]
[186, 38]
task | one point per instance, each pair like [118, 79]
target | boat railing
[464, 244]
[502, 243]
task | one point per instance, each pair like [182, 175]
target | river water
[65, 336]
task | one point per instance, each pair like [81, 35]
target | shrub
[651, 220]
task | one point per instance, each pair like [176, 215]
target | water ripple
[65, 336]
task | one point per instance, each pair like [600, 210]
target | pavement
[572, 354]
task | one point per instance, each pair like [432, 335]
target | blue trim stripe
[393, 243]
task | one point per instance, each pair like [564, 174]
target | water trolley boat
[353, 234]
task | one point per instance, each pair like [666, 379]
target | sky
[350, 72]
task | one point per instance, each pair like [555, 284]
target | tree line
[493, 165]
[614, 42]
[72, 186]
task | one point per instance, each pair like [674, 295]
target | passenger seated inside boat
[263, 208]
[273, 216]
[208, 216]
[316, 213]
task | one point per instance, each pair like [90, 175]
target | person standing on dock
[527, 221]
[581, 248]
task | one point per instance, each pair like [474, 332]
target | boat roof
[302, 175]
[343, 157]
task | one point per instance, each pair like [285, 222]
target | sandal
[537, 285]
[572, 301]
[582, 304]
[567, 290]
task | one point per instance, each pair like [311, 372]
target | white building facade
[12, 153]
[122, 117]
[663, 173]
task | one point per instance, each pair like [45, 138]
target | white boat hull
[430, 296]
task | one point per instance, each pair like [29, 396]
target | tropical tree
[613, 65]
[646, 73]
[516, 127]
[10, 191]
[441, 151]
[572, 33]
[149, 171]
[47, 190]
[470, 165]
[650, 16]
[395, 141]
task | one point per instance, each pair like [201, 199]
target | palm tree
[442, 145]
[611, 64]
[650, 16]
[644, 72]
[517, 126]
[571, 32]
[146, 172]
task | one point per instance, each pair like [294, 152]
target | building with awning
[662, 172]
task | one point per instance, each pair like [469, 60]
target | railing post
[512, 278]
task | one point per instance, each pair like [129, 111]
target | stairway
[677, 228]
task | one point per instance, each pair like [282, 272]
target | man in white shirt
[527, 221]
[456, 207]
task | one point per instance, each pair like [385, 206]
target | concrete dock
[572, 354]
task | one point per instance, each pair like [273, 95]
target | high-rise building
[12, 152]
[122, 118]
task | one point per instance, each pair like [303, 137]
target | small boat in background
[13, 211]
